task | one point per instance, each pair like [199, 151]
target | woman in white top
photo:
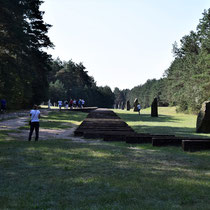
[35, 115]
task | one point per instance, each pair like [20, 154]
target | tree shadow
[56, 115]
[168, 130]
[147, 118]
[86, 176]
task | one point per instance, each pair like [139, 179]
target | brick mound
[101, 122]
[105, 124]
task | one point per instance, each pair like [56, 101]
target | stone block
[203, 119]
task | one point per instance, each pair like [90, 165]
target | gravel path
[44, 134]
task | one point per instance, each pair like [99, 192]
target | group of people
[35, 115]
[72, 103]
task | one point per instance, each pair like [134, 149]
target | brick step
[195, 145]
[103, 117]
[172, 141]
[144, 138]
[102, 134]
[118, 136]
[80, 132]
[106, 129]
[107, 126]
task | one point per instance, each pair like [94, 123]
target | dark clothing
[36, 126]
[3, 104]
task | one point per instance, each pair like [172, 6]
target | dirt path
[44, 134]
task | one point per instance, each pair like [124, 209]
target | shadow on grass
[168, 130]
[62, 174]
[49, 125]
[147, 118]
[54, 125]
[59, 115]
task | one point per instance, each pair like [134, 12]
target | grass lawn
[62, 174]
[59, 120]
[168, 122]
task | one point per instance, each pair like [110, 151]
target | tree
[24, 65]
[57, 91]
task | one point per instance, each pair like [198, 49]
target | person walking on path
[35, 116]
[60, 104]
[138, 108]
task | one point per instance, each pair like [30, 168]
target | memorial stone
[49, 103]
[203, 119]
[128, 105]
[154, 108]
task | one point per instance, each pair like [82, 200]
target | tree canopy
[186, 83]
[29, 75]
[69, 80]
[24, 66]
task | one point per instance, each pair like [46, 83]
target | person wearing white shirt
[83, 103]
[35, 115]
[139, 108]
[60, 105]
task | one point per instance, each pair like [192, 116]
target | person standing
[138, 108]
[83, 103]
[66, 104]
[60, 104]
[74, 103]
[49, 104]
[35, 116]
[79, 103]
[71, 104]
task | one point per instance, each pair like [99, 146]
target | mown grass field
[167, 122]
[59, 120]
[62, 174]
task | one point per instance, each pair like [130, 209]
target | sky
[122, 43]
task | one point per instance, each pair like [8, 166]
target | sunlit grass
[168, 122]
[59, 120]
[62, 174]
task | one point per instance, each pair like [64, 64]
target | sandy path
[44, 134]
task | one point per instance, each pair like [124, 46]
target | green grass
[168, 122]
[3, 134]
[62, 119]
[59, 120]
[62, 174]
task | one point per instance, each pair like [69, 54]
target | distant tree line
[71, 80]
[28, 74]
[186, 83]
